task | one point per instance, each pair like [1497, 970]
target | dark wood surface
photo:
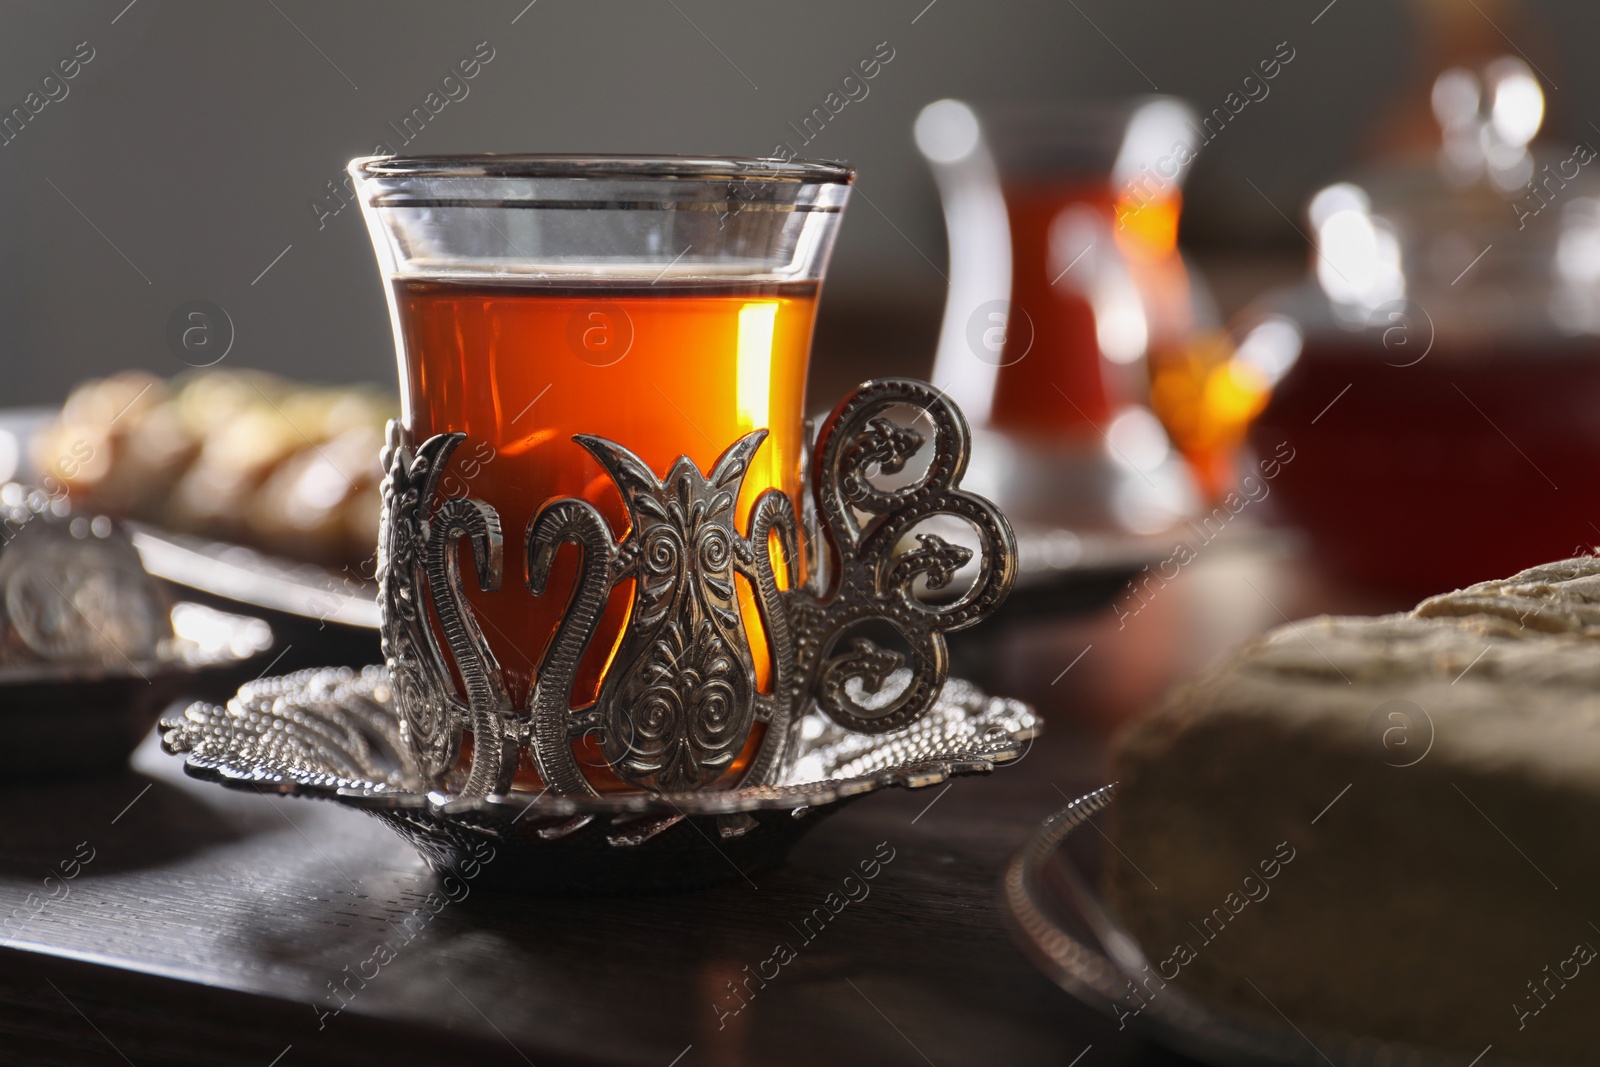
[211, 926]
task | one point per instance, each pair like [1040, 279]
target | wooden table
[211, 927]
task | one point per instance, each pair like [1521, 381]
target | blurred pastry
[233, 455]
[301, 506]
[1362, 823]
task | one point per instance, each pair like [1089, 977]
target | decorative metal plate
[202, 639]
[333, 734]
[92, 648]
[1051, 892]
[261, 583]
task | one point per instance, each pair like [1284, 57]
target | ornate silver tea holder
[846, 712]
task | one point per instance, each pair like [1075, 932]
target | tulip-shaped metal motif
[677, 705]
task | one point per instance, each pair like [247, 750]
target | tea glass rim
[606, 166]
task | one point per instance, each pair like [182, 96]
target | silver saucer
[332, 734]
[1052, 895]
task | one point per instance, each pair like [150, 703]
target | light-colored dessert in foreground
[1388, 826]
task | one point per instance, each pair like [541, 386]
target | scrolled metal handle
[874, 578]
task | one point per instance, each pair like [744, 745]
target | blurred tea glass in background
[1074, 328]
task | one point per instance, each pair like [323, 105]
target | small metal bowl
[106, 709]
[91, 646]
[332, 734]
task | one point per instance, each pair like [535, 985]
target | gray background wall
[196, 137]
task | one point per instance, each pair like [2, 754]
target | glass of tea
[1073, 328]
[662, 304]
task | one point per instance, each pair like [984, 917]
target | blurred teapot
[1439, 372]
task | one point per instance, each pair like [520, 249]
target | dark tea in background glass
[1071, 307]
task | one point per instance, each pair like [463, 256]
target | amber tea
[666, 369]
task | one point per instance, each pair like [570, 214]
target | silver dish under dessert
[1053, 900]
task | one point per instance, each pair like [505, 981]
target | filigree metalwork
[417, 556]
[874, 585]
[679, 700]
[336, 734]
[676, 707]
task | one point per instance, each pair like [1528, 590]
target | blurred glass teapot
[1439, 373]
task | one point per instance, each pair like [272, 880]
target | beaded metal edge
[333, 734]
